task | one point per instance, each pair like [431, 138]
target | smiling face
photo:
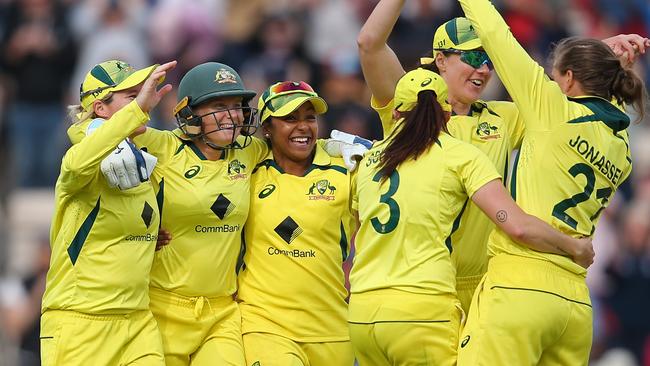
[465, 83]
[221, 119]
[293, 137]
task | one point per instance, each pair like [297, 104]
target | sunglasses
[474, 58]
[273, 99]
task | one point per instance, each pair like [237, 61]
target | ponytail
[421, 128]
[627, 87]
[599, 71]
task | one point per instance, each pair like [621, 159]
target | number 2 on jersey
[387, 198]
[559, 210]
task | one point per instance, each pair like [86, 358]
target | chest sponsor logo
[222, 206]
[321, 190]
[192, 171]
[147, 214]
[288, 229]
[148, 237]
[266, 191]
[225, 228]
[485, 131]
[236, 170]
[293, 253]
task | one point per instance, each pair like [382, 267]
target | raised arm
[528, 230]
[81, 162]
[628, 47]
[381, 67]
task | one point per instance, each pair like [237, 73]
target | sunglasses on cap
[474, 58]
[83, 94]
[292, 89]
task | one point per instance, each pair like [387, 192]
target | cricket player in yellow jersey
[292, 286]
[96, 303]
[203, 183]
[494, 127]
[533, 308]
[403, 304]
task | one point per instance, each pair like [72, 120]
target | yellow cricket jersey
[404, 240]
[575, 152]
[297, 237]
[496, 129]
[204, 205]
[102, 239]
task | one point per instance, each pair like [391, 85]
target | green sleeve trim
[343, 243]
[74, 249]
[513, 180]
[160, 198]
[455, 226]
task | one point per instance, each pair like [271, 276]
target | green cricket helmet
[206, 82]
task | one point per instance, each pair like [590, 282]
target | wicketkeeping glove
[350, 147]
[127, 166]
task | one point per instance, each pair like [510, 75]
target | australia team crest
[485, 131]
[236, 170]
[322, 190]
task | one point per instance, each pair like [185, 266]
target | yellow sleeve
[514, 121]
[385, 115]
[539, 99]
[81, 162]
[476, 170]
[354, 201]
[161, 144]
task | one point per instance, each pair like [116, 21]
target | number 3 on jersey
[387, 198]
[559, 210]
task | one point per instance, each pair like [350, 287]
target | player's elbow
[367, 41]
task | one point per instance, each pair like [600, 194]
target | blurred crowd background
[47, 46]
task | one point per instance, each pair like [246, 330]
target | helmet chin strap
[211, 144]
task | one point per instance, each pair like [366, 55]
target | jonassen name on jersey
[596, 158]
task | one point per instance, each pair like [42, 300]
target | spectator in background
[281, 56]
[38, 52]
[108, 29]
[346, 92]
[629, 282]
[20, 308]
[187, 31]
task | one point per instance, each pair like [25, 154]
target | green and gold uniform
[96, 303]
[204, 205]
[573, 157]
[292, 286]
[495, 128]
[403, 279]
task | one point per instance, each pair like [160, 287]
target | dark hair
[432, 66]
[421, 128]
[599, 71]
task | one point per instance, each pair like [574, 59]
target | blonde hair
[77, 114]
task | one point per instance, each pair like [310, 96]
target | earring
[267, 135]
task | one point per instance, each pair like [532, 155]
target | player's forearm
[381, 67]
[82, 160]
[375, 32]
[540, 236]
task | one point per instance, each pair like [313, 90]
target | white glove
[350, 147]
[127, 166]
[350, 138]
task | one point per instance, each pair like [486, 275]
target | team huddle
[209, 245]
